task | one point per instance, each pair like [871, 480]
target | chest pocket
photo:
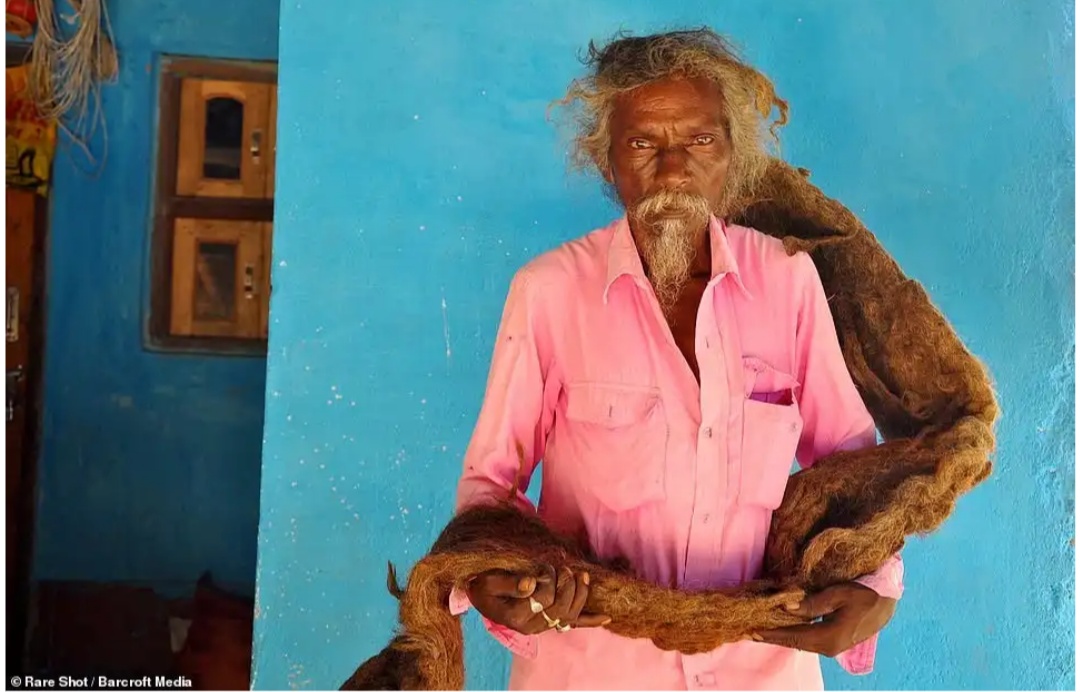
[616, 437]
[772, 426]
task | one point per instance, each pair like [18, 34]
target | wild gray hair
[626, 63]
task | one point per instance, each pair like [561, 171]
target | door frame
[19, 611]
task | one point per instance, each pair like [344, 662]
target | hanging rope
[67, 68]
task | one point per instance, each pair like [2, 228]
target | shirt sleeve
[835, 419]
[516, 414]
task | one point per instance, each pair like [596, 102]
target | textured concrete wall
[417, 173]
[150, 462]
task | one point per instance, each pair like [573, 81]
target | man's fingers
[564, 594]
[502, 584]
[560, 594]
[581, 594]
[506, 584]
[549, 592]
[497, 597]
[545, 587]
[814, 638]
[818, 605]
[799, 637]
[592, 621]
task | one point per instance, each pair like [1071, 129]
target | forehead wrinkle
[643, 109]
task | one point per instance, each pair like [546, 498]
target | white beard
[668, 243]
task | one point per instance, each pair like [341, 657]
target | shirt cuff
[488, 494]
[859, 659]
[888, 582]
[523, 645]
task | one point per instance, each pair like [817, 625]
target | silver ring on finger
[562, 627]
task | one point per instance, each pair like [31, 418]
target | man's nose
[672, 171]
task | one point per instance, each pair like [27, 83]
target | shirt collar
[623, 258]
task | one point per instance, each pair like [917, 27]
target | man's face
[669, 159]
[670, 135]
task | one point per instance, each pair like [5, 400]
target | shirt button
[705, 679]
[707, 432]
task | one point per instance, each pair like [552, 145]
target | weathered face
[670, 135]
[669, 158]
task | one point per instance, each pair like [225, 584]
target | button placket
[712, 450]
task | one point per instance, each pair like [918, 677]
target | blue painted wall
[417, 173]
[150, 468]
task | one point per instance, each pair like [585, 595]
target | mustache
[670, 202]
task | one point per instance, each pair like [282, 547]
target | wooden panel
[20, 285]
[266, 287]
[228, 70]
[237, 168]
[271, 143]
[24, 292]
[185, 191]
[220, 208]
[215, 278]
[257, 137]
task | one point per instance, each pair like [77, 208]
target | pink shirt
[643, 463]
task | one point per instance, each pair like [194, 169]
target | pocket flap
[610, 405]
[761, 378]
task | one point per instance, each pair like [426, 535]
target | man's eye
[638, 143]
[704, 140]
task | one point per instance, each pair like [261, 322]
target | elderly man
[668, 369]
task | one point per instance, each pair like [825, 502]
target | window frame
[167, 205]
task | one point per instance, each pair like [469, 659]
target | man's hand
[850, 614]
[514, 600]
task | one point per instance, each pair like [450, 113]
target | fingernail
[756, 637]
[585, 578]
[527, 584]
[793, 606]
[605, 623]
